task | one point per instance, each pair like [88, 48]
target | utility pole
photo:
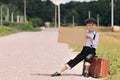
[25, 11]
[89, 14]
[1, 16]
[73, 21]
[55, 16]
[59, 14]
[7, 17]
[12, 17]
[98, 20]
[112, 13]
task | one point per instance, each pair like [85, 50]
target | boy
[88, 51]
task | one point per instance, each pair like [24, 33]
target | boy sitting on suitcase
[88, 51]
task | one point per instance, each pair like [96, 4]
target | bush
[6, 23]
[5, 29]
[22, 26]
[25, 27]
[36, 22]
[52, 24]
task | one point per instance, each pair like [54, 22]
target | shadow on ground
[39, 74]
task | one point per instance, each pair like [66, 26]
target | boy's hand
[88, 37]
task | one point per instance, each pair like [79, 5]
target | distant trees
[100, 7]
[45, 11]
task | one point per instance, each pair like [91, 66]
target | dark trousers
[84, 55]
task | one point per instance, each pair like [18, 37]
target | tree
[45, 10]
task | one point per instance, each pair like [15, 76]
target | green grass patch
[7, 31]
[17, 27]
[109, 46]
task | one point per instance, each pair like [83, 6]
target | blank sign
[71, 35]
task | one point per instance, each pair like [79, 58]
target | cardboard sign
[71, 35]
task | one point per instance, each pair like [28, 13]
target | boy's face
[91, 26]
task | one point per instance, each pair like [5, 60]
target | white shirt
[95, 41]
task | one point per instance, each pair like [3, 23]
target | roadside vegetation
[109, 47]
[10, 28]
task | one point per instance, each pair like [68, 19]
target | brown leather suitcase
[99, 67]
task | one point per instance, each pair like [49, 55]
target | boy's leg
[86, 72]
[88, 62]
[73, 62]
[81, 56]
[64, 69]
[70, 64]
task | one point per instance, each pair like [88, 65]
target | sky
[64, 1]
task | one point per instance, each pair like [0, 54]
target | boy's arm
[94, 42]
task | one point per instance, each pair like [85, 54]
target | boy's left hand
[88, 37]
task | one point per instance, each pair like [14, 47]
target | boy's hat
[90, 20]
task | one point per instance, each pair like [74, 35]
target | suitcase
[99, 67]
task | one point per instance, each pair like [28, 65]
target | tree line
[45, 11]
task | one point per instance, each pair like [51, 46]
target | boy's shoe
[56, 74]
[86, 74]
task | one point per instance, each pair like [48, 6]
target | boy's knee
[89, 58]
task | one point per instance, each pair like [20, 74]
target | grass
[109, 46]
[7, 31]
[11, 30]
